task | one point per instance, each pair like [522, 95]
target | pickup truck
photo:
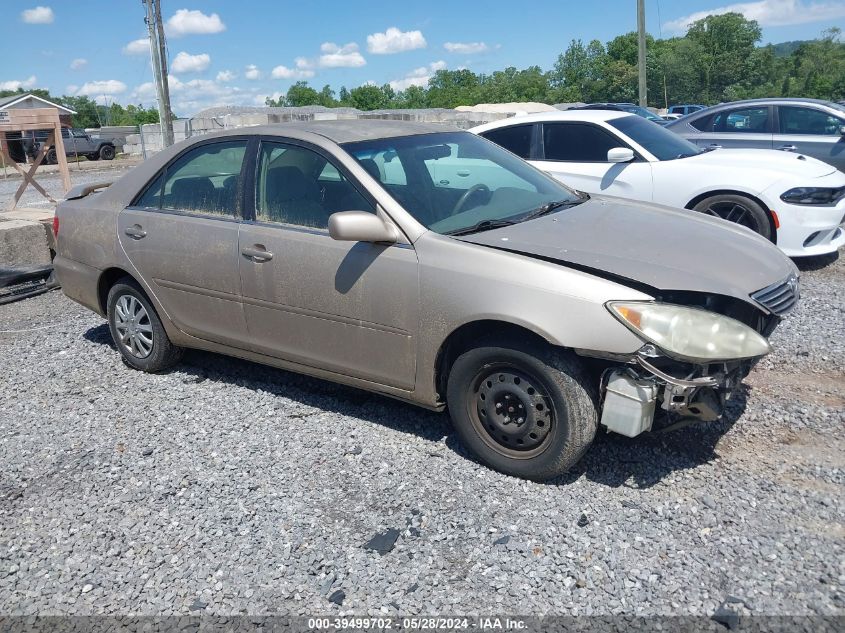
[77, 143]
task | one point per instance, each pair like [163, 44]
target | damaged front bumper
[635, 393]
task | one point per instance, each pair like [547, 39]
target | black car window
[798, 120]
[151, 198]
[204, 181]
[514, 138]
[578, 142]
[703, 123]
[742, 120]
[298, 186]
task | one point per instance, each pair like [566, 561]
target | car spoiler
[81, 191]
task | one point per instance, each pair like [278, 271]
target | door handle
[787, 148]
[136, 232]
[714, 146]
[258, 255]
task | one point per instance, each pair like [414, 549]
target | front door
[576, 154]
[812, 132]
[347, 307]
[746, 127]
[182, 237]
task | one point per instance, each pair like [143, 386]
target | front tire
[51, 158]
[739, 210]
[527, 412]
[136, 329]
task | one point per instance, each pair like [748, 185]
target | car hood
[661, 247]
[775, 162]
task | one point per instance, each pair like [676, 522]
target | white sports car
[796, 201]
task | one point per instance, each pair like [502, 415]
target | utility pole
[641, 51]
[158, 55]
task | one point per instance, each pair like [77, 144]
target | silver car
[429, 265]
[807, 126]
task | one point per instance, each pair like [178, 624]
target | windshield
[453, 181]
[659, 141]
[643, 112]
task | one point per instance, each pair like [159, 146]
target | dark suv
[77, 142]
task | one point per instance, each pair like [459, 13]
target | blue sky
[226, 52]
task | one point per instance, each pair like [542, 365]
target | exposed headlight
[690, 333]
[821, 196]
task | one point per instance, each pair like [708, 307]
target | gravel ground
[225, 487]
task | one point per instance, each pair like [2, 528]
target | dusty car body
[533, 312]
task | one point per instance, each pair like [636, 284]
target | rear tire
[739, 210]
[107, 152]
[136, 329]
[524, 411]
[94, 156]
[51, 158]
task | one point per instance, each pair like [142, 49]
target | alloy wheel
[734, 212]
[134, 329]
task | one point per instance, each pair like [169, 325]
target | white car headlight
[690, 333]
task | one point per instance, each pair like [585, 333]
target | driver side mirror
[361, 226]
[620, 155]
[842, 130]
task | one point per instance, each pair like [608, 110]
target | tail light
[56, 226]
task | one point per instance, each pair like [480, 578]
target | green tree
[453, 88]
[301, 94]
[370, 97]
[722, 47]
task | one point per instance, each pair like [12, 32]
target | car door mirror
[842, 130]
[361, 226]
[620, 155]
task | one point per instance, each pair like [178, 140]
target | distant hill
[785, 49]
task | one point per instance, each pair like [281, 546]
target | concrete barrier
[23, 242]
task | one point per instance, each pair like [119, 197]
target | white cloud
[98, 88]
[418, 76]
[768, 13]
[78, 63]
[466, 48]
[193, 22]
[225, 75]
[140, 46]
[15, 84]
[187, 63]
[252, 73]
[259, 98]
[71, 89]
[283, 72]
[395, 41]
[334, 56]
[38, 15]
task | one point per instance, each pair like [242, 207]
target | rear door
[576, 154]
[811, 131]
[348, 307]
[748, 126]
[181, 234]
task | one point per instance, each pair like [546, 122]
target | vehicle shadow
[612, 461]
[816, 262]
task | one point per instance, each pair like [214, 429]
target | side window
[65, 133]
[515, 139]
[205, 180]
[295, 185]
[151, 198]
[703, 124]
[796, 120]
[742, 121]
[578, 142]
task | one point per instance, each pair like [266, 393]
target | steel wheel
[135, 331]
[511, 410]
[735, 212]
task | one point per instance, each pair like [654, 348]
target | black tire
[739, 210]
[107, 152]
[94, 156]
[51, 158]
[552, 394]
[162, 353]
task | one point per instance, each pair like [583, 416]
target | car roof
[343, 131]
[592, 116]
[768, 100]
